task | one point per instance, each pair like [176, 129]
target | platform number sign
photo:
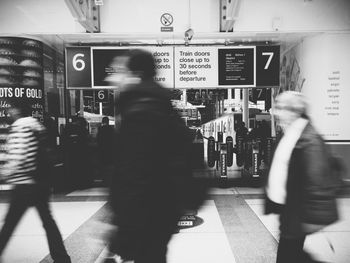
[267, 65]
[78, 66]
[78, 62]
[101, 95]
[257, 94]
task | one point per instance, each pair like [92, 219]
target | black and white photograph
[163, 131]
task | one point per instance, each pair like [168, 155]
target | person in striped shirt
[21, 169]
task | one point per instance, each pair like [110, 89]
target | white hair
[293, 101]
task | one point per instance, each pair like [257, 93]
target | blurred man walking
[27, 170]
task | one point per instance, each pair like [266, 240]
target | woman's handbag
[312, 228]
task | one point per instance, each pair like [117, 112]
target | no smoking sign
[166, 19]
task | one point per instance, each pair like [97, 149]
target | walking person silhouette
[24, 170]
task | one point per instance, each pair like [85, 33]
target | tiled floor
[319, 244]
[28, 244]
[234, 229]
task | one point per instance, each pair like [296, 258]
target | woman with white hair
[300, 179]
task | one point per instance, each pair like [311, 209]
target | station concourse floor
[234, 229]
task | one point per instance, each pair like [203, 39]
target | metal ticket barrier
[270, 148]
[211, 154]
[230, 150]
[253, 155]
[251, 167]
[223, 160]
[240, 151]
[257, 157]
[220, 154]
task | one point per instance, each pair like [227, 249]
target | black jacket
[105, 138]
[150, 150]
[311, 191]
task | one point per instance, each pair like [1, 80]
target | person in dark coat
[152, 147]
[241, 131]
[76, 154]
[52, 131]
[300, 181]
[105, 137]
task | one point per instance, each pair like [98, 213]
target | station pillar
[245, 114]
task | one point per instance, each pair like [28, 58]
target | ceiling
[41, 15]
[284, 39]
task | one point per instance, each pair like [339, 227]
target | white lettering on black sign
[21, 93]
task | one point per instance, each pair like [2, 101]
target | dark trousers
[154, 248]
[141, 246]
[290, 250]
[24, 196]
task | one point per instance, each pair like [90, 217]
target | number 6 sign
[101, 95]
[78, 63]
[78, 66]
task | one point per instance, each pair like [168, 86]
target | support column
[217, 106]
[245, 104]
[81, 104]
[222, 106]
[229, 99]
[100, 108]
[184, 96]
[237, 100]
[117, 119]
[229, 94]
[273, 130]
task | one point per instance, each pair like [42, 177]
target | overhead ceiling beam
[229, 11]
[86, 13]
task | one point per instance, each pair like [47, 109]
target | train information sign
[184, 67]
[107, 62]
[236, 67]
[213, 67]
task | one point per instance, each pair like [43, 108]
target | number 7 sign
[78, 67]
[267, 65]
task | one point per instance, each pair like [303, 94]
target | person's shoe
[63, 260]
[114, 259]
